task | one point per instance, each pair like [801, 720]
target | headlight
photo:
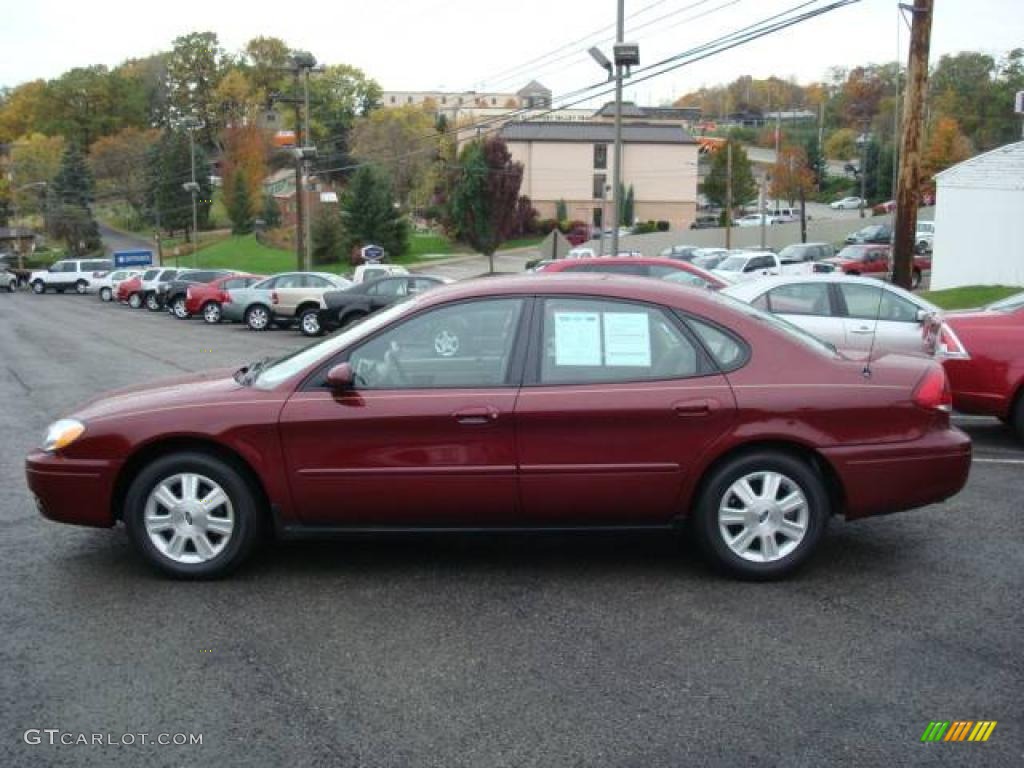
[62, 433]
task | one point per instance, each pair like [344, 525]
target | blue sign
[133, 258]
[372, 253]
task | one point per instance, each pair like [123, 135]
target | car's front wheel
[135, 301]
[192, 515]
[761, 515]
[257, 317]
[178, 308]
[81, 287]
[152, 302]
[211, 312]
[309, 322]
[105, 294]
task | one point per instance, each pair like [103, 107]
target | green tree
[69, 216]
[115, 163]
[240, 209]
[842, 144]
[395, 140]
[195, 67]
[34, 158]
[484, 195]
[271, 212]
[370, 215]
[327, 232]
[743, 185]
[19, 110]
[815, 161]
[338, 96]
[561, 210]
[627, 205]
[168, 165]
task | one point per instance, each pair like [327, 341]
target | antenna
[874, 334]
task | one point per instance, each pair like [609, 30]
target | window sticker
[577, 338]
[627, 339]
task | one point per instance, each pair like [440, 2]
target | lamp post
[193, 124]
[862, 141]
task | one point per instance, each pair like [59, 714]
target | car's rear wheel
[192, 515]
[761, 514]
[81, 287]
[105, 294]
[211, 312]
[38, 287]
[257, 317]
[309, 322]
[135, 301]
[152, 302]
[178, 308]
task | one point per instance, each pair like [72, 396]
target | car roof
[674, 263]
[755, 288]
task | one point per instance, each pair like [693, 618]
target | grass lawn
[969, 296]
[522, 242]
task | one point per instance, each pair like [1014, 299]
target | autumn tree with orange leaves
[246, 149]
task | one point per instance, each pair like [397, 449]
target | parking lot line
[977, 460]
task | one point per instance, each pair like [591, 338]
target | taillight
[188, 293]
[933, 392]
[273, 297]
[950, 345]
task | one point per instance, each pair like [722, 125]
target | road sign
[372, 253]
[141, 258]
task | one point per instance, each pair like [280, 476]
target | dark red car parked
[207, 299]
[875, 261]
[130, 291]
[984, 359]
[573, 402]
[674, 270]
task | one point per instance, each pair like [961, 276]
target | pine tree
[328, 235]
[240, 210]
[743, 185]
[70, 217]
[168, 164]
[370, 216]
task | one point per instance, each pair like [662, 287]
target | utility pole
[910, 147]
[300, 193]
[863, 140]
[761, 207]
[305, 163]
[193, 124]
[620, 24]
[728, 193]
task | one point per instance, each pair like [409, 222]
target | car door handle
[689, 408]
[483, 415]
[862, 329]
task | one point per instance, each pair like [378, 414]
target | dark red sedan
[207, 299]
[673, 270]
[984, 359]
[573, 402]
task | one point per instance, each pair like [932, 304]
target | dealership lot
[489, 651]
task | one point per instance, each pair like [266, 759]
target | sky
[483, 45]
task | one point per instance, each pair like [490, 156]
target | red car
[130, 291]
[875, 261]
[208, 298]
[984, 359]
[574, 402]
[673, 270]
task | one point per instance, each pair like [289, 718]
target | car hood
[193, 388]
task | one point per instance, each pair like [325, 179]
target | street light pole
[193, 124]
[620, 23]
[305, 172]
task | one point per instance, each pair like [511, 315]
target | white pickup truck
[797, 259]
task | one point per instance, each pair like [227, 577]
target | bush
[663, 226]
[644, 228]
[547, 226]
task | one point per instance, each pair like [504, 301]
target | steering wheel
[391, 359]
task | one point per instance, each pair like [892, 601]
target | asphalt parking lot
[524, 651]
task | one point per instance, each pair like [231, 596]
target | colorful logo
[958, 730]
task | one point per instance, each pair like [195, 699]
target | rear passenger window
[591, 341]
[726, 350]
[800, 299]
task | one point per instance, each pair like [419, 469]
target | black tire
[211, 312]
[105, 294]
[258, 317]
[1017, 419]
[344, 321]
[81, 287]
[59, 290]
[152, 302]
[38, 287]
[178, 308]
[309, 322]
[248, 522]
[135, 301]
[716, 492]
[915, 279]
[284, 323]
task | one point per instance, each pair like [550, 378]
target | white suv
[69, 274]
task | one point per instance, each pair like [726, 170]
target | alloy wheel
[211, 313]
[179, 309]
[763, 516]
[189, 518]
[80, 287]
[152, 303]
[258, 318]
[105, 294]
[310, 324]
[135, 301]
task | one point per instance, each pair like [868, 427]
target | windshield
[733, 264]
[1008, 304]
[797, 334]
[853, 254]
[277, 371]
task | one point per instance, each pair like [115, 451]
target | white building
[979, 239]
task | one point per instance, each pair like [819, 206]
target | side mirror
[922, 315]
[341, 376]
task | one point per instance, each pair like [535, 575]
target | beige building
[573, 162]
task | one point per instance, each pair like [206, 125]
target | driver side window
[457, 346]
